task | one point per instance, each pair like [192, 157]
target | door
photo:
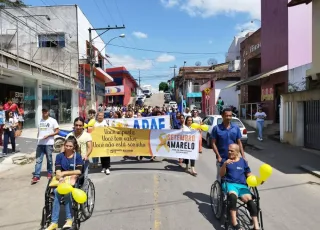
[312, 124]
[279, 89]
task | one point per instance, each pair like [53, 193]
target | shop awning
[257, 77]
[298, 2]
[107, 77]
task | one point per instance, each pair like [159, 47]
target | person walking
[187, 128]
[198, 120]
[260, 116]
[2, 119]
[10, 123]
[220, 104]
[222, 136]
[105, 161]
[48, 127]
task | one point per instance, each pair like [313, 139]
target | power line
[163, 51]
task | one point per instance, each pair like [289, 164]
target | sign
[115, 142]
[155, 122]
[207, 91]
[267, 94]
[194, 94]
[114, 90]
[207, 97]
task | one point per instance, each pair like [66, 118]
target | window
[288, 117]
[52, 40]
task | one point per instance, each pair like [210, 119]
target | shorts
[239, 189]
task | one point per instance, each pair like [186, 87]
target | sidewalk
[283, 157]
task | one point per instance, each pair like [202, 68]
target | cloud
[247, 27]
[208, 8]
[165, 58]
[130, 63]
[138, 34]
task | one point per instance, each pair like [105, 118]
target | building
[300, 108]
[123, 88]
[40, 55]
[190, 80]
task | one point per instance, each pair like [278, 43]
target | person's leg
[39, 158]
[193, 171]
[86, 168]
[261, 129]
[108, 159]
[68, 206]
[186, 161]
[103, 164]
[218, 171]
[13, 141]
[56, 207]
[1, 134]
[49, 150]
[246, 197]
[258, 129]
[232, 202]
[5, 142]
[200, 142]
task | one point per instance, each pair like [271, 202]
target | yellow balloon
[252, 181]
[204, 128]
[91, 123]
[79, 196]
[85, 126]
[265, 171]
[195, 126]
[64, 188]
[259, 181]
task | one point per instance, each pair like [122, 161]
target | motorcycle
[60, 139]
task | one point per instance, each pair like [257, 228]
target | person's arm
[223, 169]
[89, 148]
[214, 136]
[55, 128]
[58, 167]
[240, 143]
[247, 169]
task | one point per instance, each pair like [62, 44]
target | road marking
[157, 212]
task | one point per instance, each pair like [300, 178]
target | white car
[173, 104]
[213, 120]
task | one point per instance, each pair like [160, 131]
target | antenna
[212, 61]
[198, 63]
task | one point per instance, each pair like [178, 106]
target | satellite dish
[212, 61]
[198, 63]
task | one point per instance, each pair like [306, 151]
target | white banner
[156, 122]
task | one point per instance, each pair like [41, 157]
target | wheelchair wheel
[216, 196]
[88, 207]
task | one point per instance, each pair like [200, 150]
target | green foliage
[163, 86]
[7, 3]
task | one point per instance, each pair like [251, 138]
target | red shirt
[12, 108]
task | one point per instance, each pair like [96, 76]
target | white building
[41, 49]
[233, 55]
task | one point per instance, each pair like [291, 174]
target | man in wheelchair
[68, 168]
[234, 172]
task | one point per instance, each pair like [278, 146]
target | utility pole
[174, 70]
[139, 79]
[184, 65]
[92, 61]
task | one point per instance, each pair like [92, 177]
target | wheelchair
[81, 212]
[219, 205]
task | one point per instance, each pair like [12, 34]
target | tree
[12, 3]
[163, 86]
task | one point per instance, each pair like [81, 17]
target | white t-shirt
[186, 128]
[187, 114]
[47, 127]
[100, 124]
[9, 124]
[260, 116]
[197, 120]
[83, 139]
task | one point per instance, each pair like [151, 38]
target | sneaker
[68, 224]
[108, 172]
[35, 180]
[49, 176]
[52, 226]
[103, 170]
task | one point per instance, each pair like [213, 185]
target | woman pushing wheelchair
[68, 168]
[234, 172]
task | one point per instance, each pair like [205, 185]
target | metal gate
[312, 124]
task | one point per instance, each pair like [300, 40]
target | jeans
[56, 206]
[260, 125]
[218, 171]
[41, 150]
[86, 168]
[1, 133]
[95, 160]
[8, 134]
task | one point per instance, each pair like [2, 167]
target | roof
[119, 71]
[298, 2]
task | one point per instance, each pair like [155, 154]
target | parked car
[147, 93]
[173, 104]
[167, 97]
[213, 120]
[141, 96]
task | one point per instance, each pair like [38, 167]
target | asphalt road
[156, 99]
[160, 196]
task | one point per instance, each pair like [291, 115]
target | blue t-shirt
[68, 164]
[224, 137]
[2, 117]
[236, 172]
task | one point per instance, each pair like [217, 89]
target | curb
[255, 146]
[8, 164]
[310, 170]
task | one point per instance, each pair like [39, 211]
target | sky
[173, 31]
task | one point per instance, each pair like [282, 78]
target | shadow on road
[204, 206]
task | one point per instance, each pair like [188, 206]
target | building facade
[41, 49]
[123, 87]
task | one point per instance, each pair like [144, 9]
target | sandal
[237, 227]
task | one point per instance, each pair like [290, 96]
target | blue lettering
[136, 124]
[161, 123]
[153, 124]
[145, 124]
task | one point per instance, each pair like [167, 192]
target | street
[160, 195]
